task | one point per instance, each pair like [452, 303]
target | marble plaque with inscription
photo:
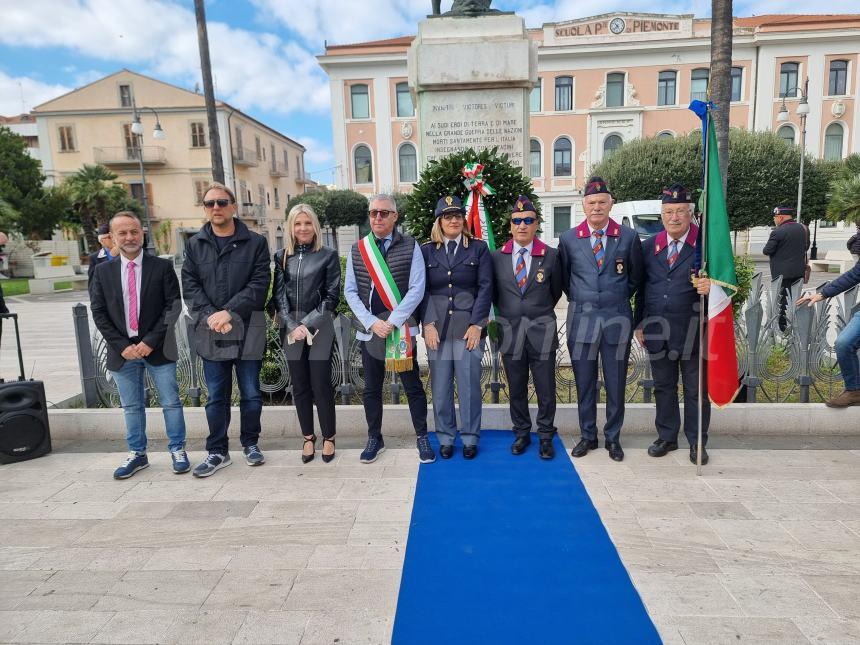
[455, 120]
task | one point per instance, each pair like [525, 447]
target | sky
[263, 51]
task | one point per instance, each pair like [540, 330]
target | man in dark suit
[602, 265]
[667, 321]
[786, 248]
[104, 254]
[135, 302]
[527, 286]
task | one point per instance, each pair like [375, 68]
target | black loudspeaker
[24, 430]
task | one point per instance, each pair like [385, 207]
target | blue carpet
[508, 549]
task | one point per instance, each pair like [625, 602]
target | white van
[643, 216]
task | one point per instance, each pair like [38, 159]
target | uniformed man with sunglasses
[526, 288]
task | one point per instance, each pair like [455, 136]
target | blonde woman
[307, 290]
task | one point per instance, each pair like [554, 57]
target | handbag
[273, 302]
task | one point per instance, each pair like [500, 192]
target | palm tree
[845, 203]
[721, 77]
[90, 193]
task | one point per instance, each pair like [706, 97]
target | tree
[345, 208]
[763, 172]
[95, 198]
[444, 177]
[845, 203]
[20, 175]
[720, 83]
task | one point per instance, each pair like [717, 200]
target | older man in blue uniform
[602, 266]
[667, 321]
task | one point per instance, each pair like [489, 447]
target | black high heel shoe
[328, 458]
[310, 457]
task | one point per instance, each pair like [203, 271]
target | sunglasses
[454, 215]
[528, 221]
[380, 214]
[210, 203]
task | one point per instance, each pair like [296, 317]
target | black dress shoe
[581, 449]
[615, 451]
[693, 455]
[547, 451]
[661, 448]
[470, 452]
[520, 444]
[446, 451]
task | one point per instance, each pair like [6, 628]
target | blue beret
[449, 204]
[524, 204]
[104, 229]
[676, 194]
[596, 186]
[784, 210]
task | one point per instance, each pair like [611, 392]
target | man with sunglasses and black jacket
[225, 282]
[526, 288]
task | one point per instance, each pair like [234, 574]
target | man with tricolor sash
[667, 323]
[384, 285]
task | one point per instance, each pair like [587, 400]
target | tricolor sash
[399, 344]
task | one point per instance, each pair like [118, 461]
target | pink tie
[132, 297]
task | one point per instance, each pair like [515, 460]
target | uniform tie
[520, 272]
[452, 247]
[132, 297]
[597, 248]
[672, 256]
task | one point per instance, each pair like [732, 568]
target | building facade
[605, 80]
[92, 125]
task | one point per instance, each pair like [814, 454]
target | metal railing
[278, 169]
[245, 157]
[124, 155]
[796, 364]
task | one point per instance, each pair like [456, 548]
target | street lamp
[782, 117]
[157, 133]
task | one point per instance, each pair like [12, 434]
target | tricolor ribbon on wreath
[399, 343]
[476, 213]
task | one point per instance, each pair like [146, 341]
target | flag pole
[702, 272]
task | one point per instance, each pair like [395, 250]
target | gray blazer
[527, 317]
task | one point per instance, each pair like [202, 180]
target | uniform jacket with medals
[599, 296]
[527, 316]
[667, 305]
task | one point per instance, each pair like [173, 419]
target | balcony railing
[256, 212]
[245, 157]
[278, 169]
[125, 156]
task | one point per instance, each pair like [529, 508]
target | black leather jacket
[307, 291]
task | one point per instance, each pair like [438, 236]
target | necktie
[672, 256]
[381, 244]
[597, 248]
[520, 272]
[132, 297]
[452, 247]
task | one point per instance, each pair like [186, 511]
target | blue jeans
[453, 362]
[219, 382]
[847, 344]
[130, 383]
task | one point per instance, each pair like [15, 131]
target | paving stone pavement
[764, 548]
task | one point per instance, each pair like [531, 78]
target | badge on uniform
[619, 265]
[539, 276]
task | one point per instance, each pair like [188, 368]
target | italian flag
[719, 265]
